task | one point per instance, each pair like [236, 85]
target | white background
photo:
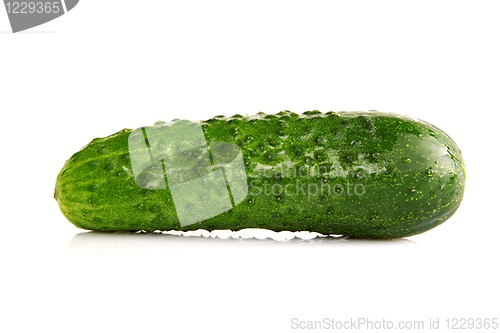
[114, 64]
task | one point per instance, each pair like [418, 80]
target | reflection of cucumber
[363, 174]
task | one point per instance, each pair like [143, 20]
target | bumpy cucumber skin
[415, 179]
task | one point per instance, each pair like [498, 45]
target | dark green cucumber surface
[360, 174]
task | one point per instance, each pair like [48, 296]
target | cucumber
[360, 174]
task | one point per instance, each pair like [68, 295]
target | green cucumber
[359, 174]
